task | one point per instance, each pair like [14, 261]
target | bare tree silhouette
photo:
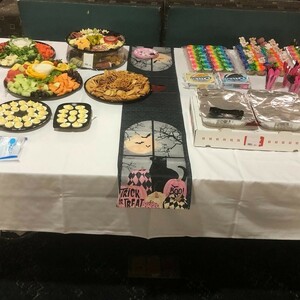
[170, 135]
[128, 165]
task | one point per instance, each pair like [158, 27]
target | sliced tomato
[110, 39]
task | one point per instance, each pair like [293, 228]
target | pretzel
[118, 86]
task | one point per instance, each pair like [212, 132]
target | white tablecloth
[67, 182]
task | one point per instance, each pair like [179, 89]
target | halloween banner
[154, 168]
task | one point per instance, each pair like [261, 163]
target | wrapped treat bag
[10, 147]
[225, 109]
[275, 110]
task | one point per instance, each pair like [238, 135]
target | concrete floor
[48, 266]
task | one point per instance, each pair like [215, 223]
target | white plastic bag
[10, 147]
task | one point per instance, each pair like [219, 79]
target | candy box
[234, 80]
[202, 80]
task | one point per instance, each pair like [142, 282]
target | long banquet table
[67, 182]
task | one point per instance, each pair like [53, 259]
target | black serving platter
[43, 95]
[72, 116]
[36, 42]
[114, 101]
[23, 115]
[105, 33]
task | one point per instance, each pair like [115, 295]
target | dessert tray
[118, 86]
[256, 54]
[208, 58]
[145, 53]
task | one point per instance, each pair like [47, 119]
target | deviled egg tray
[27, 115]
[72, 116]
[23, 115]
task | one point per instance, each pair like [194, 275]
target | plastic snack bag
[10, 147]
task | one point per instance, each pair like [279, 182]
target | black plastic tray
[115, 101]
[78, 78]
[73, 125]
[51, 58]
[104, 32]
[22, 113]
